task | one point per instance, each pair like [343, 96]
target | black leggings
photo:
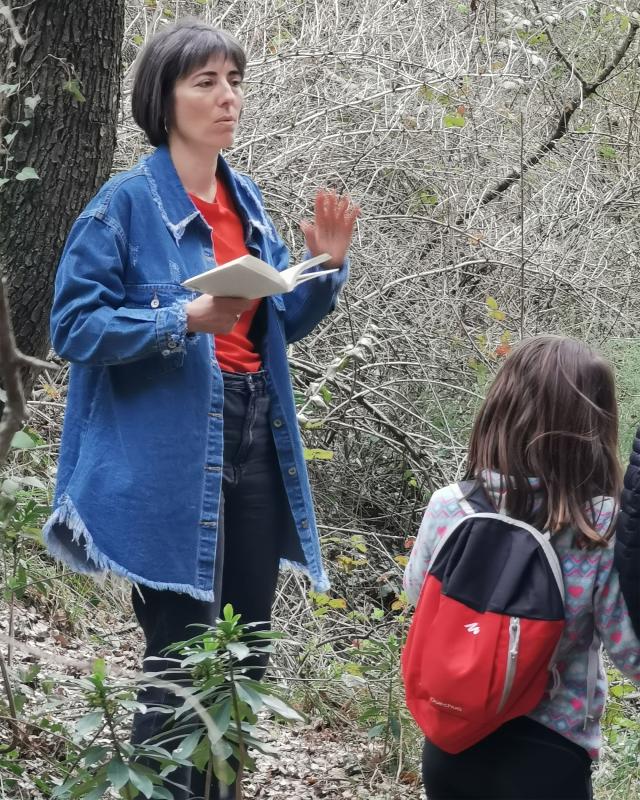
[522, 760]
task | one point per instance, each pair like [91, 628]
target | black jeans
[250, 528]
[522, 760]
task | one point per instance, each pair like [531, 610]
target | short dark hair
[170, 55]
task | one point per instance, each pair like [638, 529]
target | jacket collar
[174, 204]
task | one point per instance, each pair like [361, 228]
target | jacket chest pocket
[157, 296]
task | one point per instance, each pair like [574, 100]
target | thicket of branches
[494, 150]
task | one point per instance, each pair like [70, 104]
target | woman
[181, 464]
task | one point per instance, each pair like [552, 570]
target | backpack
[486, 626]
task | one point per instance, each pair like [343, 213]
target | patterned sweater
[595, 613]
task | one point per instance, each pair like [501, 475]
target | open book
[250, 277]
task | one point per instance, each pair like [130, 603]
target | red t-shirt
[235, 351]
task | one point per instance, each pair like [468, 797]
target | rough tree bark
[70, 59]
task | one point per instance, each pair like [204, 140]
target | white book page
[251, 278]
[290, 275]
[246, 277]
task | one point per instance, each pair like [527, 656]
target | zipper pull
[515, 637]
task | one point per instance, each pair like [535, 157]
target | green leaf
[27, 174]
[141, 782]
[428, 199]
[426, 92]
[607, 151]
[22, 441]
[99, 669]
[454, 121]
[239, 650]
[188, 745]
[32, 102]
[118, 773]
[221, 716]
[8, 88]
[160, 793]
[281, 708]
[223, 771]
[73, 87]
[377, 730]
[89, 723]
[228, 614]
[254, 699]
[94, 755]
[3, 181]
[326, 394]
[10, 487]
[316, 454]
[96, 793]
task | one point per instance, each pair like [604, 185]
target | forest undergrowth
[495, 150]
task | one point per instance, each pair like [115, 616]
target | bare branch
[562, 124]
[12, 361]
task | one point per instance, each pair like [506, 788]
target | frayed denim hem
[78, 551]
[319, 584]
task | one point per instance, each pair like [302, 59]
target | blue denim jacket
[140, 469]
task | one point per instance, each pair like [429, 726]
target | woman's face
[207, 105]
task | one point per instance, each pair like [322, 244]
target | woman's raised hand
[332, 226]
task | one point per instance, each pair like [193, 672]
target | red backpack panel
[485, 629]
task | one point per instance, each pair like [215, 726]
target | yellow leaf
[492, 303]
[315, 454]
[402, 560]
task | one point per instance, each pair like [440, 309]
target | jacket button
[171, 344]
[277, 423]
[304, 523]
[293, 471]
[155, 302]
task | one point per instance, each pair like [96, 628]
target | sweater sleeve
[613, 622]
[627, 546]
[442, 513]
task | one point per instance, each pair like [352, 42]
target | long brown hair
[551, 413]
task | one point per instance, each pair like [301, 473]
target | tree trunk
[71, 61]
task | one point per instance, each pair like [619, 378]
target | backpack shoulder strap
[474, 495]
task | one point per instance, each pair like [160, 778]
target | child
[549, 422]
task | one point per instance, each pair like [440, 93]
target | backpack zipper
[512, 661]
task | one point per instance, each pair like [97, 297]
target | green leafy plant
[213, 726]
[219, 662]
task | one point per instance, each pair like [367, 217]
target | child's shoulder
[445, 502]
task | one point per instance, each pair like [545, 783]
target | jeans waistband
[250, 382]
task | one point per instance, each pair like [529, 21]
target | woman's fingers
[332, 226]
[331, 208]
